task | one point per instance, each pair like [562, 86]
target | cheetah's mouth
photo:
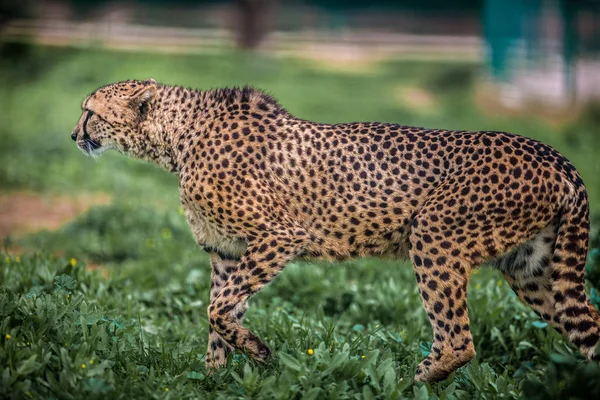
[90, 147]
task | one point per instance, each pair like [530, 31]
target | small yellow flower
[475, 272]
[83, 366]
[500, 283]
[478, 286]
[91, 362]
[363, 356]
[17, 259]
[181, 212]
[7, 259]
[73, 262]
[28, 343]
[166, 389]
[310, 352]
[8, 337]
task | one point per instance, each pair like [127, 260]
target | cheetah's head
[112, 117]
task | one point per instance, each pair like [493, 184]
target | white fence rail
[170, 39]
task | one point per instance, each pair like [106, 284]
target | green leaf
[290, 362]
[420, 392]
[193, 375]
[367, 393]
[313, 394]
[65, 282]
[28, 366]
[389, 380]
[97, 385]
[425, 348]
[336, 361]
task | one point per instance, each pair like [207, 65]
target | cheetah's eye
[99, 117]
[143, 110]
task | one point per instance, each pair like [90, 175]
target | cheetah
[261, 187]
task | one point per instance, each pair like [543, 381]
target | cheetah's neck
[178, 114]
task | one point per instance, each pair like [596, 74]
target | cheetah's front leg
[218, 349]
[267, 254]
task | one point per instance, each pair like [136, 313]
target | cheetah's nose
[74, 136]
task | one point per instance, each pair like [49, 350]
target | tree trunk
[255, 19]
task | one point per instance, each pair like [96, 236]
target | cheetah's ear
[139, 99]
[145, 94]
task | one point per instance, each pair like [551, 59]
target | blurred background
[530, 67]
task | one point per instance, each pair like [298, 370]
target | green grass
[142, 328]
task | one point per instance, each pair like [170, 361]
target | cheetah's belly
[211, 236]
[386, 243]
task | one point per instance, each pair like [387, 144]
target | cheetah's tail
[578, 316]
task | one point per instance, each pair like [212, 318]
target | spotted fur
[260, 187]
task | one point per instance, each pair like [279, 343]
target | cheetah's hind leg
[527, 270]
[553, 284]
[579, 318]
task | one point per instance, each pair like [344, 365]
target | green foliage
[564, 378]
[118, 232]
[74, 333]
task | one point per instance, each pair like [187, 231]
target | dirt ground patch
[339, 58]
[24, 212]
